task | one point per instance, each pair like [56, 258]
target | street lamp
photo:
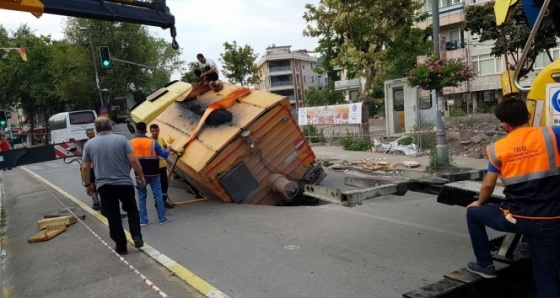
[94, 65]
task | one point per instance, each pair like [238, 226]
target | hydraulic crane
[145, 12]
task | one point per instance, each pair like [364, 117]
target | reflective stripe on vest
[534, 157]
[144, 149]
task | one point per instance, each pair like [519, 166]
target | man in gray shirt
[112, 158]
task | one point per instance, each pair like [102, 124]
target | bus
[71, 125]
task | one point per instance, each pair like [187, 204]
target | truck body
[260, 157]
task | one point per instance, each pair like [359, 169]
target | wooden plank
[46, 234]
[56, 221]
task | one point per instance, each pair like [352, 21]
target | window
[444, 3]
[542, 59]
[455, 35]
[85, 117]
[487, 65]
[398, 100]
[425, 102]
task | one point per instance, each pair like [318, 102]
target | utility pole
[94, 65]
[442, 152]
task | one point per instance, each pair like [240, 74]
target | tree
[127, 42]
[326, 96]
[511, 36]
[359, 29]
[239, 64]
[189, 76]
[28, 84]
[402, 52]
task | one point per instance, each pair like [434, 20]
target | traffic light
[3, 118]
[105, 56]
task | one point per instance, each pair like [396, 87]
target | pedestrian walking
[112, 157]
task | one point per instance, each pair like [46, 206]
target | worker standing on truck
[206, 68]
[528, 163]
[148, 152]
[112, 157]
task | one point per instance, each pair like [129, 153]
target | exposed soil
[466, 136]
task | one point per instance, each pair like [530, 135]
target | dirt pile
[467, 136]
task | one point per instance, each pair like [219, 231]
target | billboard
[337, 114]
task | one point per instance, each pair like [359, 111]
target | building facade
[484, 91]
[289, 73]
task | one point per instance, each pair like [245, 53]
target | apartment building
[289, 73]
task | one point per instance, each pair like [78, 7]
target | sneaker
[96, 206]
[168, 205]
[487, 272]
[138, 242]
[143, 224]
[164, 221]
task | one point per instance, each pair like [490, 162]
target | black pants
[110, 197]
[164, 182]
[211, 76]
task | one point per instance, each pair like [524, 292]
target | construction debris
[50, 227]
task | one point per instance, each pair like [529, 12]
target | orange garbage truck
[255, 155]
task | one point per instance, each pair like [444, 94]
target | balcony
[279, 69]
[281, 83]
[348, 84]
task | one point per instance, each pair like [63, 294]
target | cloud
[203, 26]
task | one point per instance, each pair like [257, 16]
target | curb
[179, 270]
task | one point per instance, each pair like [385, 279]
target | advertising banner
[337, 114]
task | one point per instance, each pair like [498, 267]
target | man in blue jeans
[148, 152]
[528, 162]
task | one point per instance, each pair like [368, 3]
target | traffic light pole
[95, 69]
[141, 65]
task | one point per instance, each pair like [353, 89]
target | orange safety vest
[144, 149]
[529, 165]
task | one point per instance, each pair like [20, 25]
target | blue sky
[203, 26]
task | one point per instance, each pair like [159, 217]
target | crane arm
[145, 12]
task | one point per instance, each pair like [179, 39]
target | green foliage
[403, 50]
[327, 163]
[326, 96]
[436, 162]
[457, 113]
[512, 36]
[437, 73]
[424, 140]
[189, 76]
[239, 64]
[312, 134]
[352, 34]
[355, 143]
[60, 75]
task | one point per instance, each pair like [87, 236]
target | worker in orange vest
[528, 162]
[148, 152]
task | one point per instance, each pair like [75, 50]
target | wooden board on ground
[46, 234]
[56, 221]
[411, 164]
[189, 201]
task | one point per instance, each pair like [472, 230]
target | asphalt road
[388, 246]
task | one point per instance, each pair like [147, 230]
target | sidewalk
[337, 154]
[75, 263]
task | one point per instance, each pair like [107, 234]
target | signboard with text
[337, 114]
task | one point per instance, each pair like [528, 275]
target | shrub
[355, 144]
[436, 73]
[312, 135]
